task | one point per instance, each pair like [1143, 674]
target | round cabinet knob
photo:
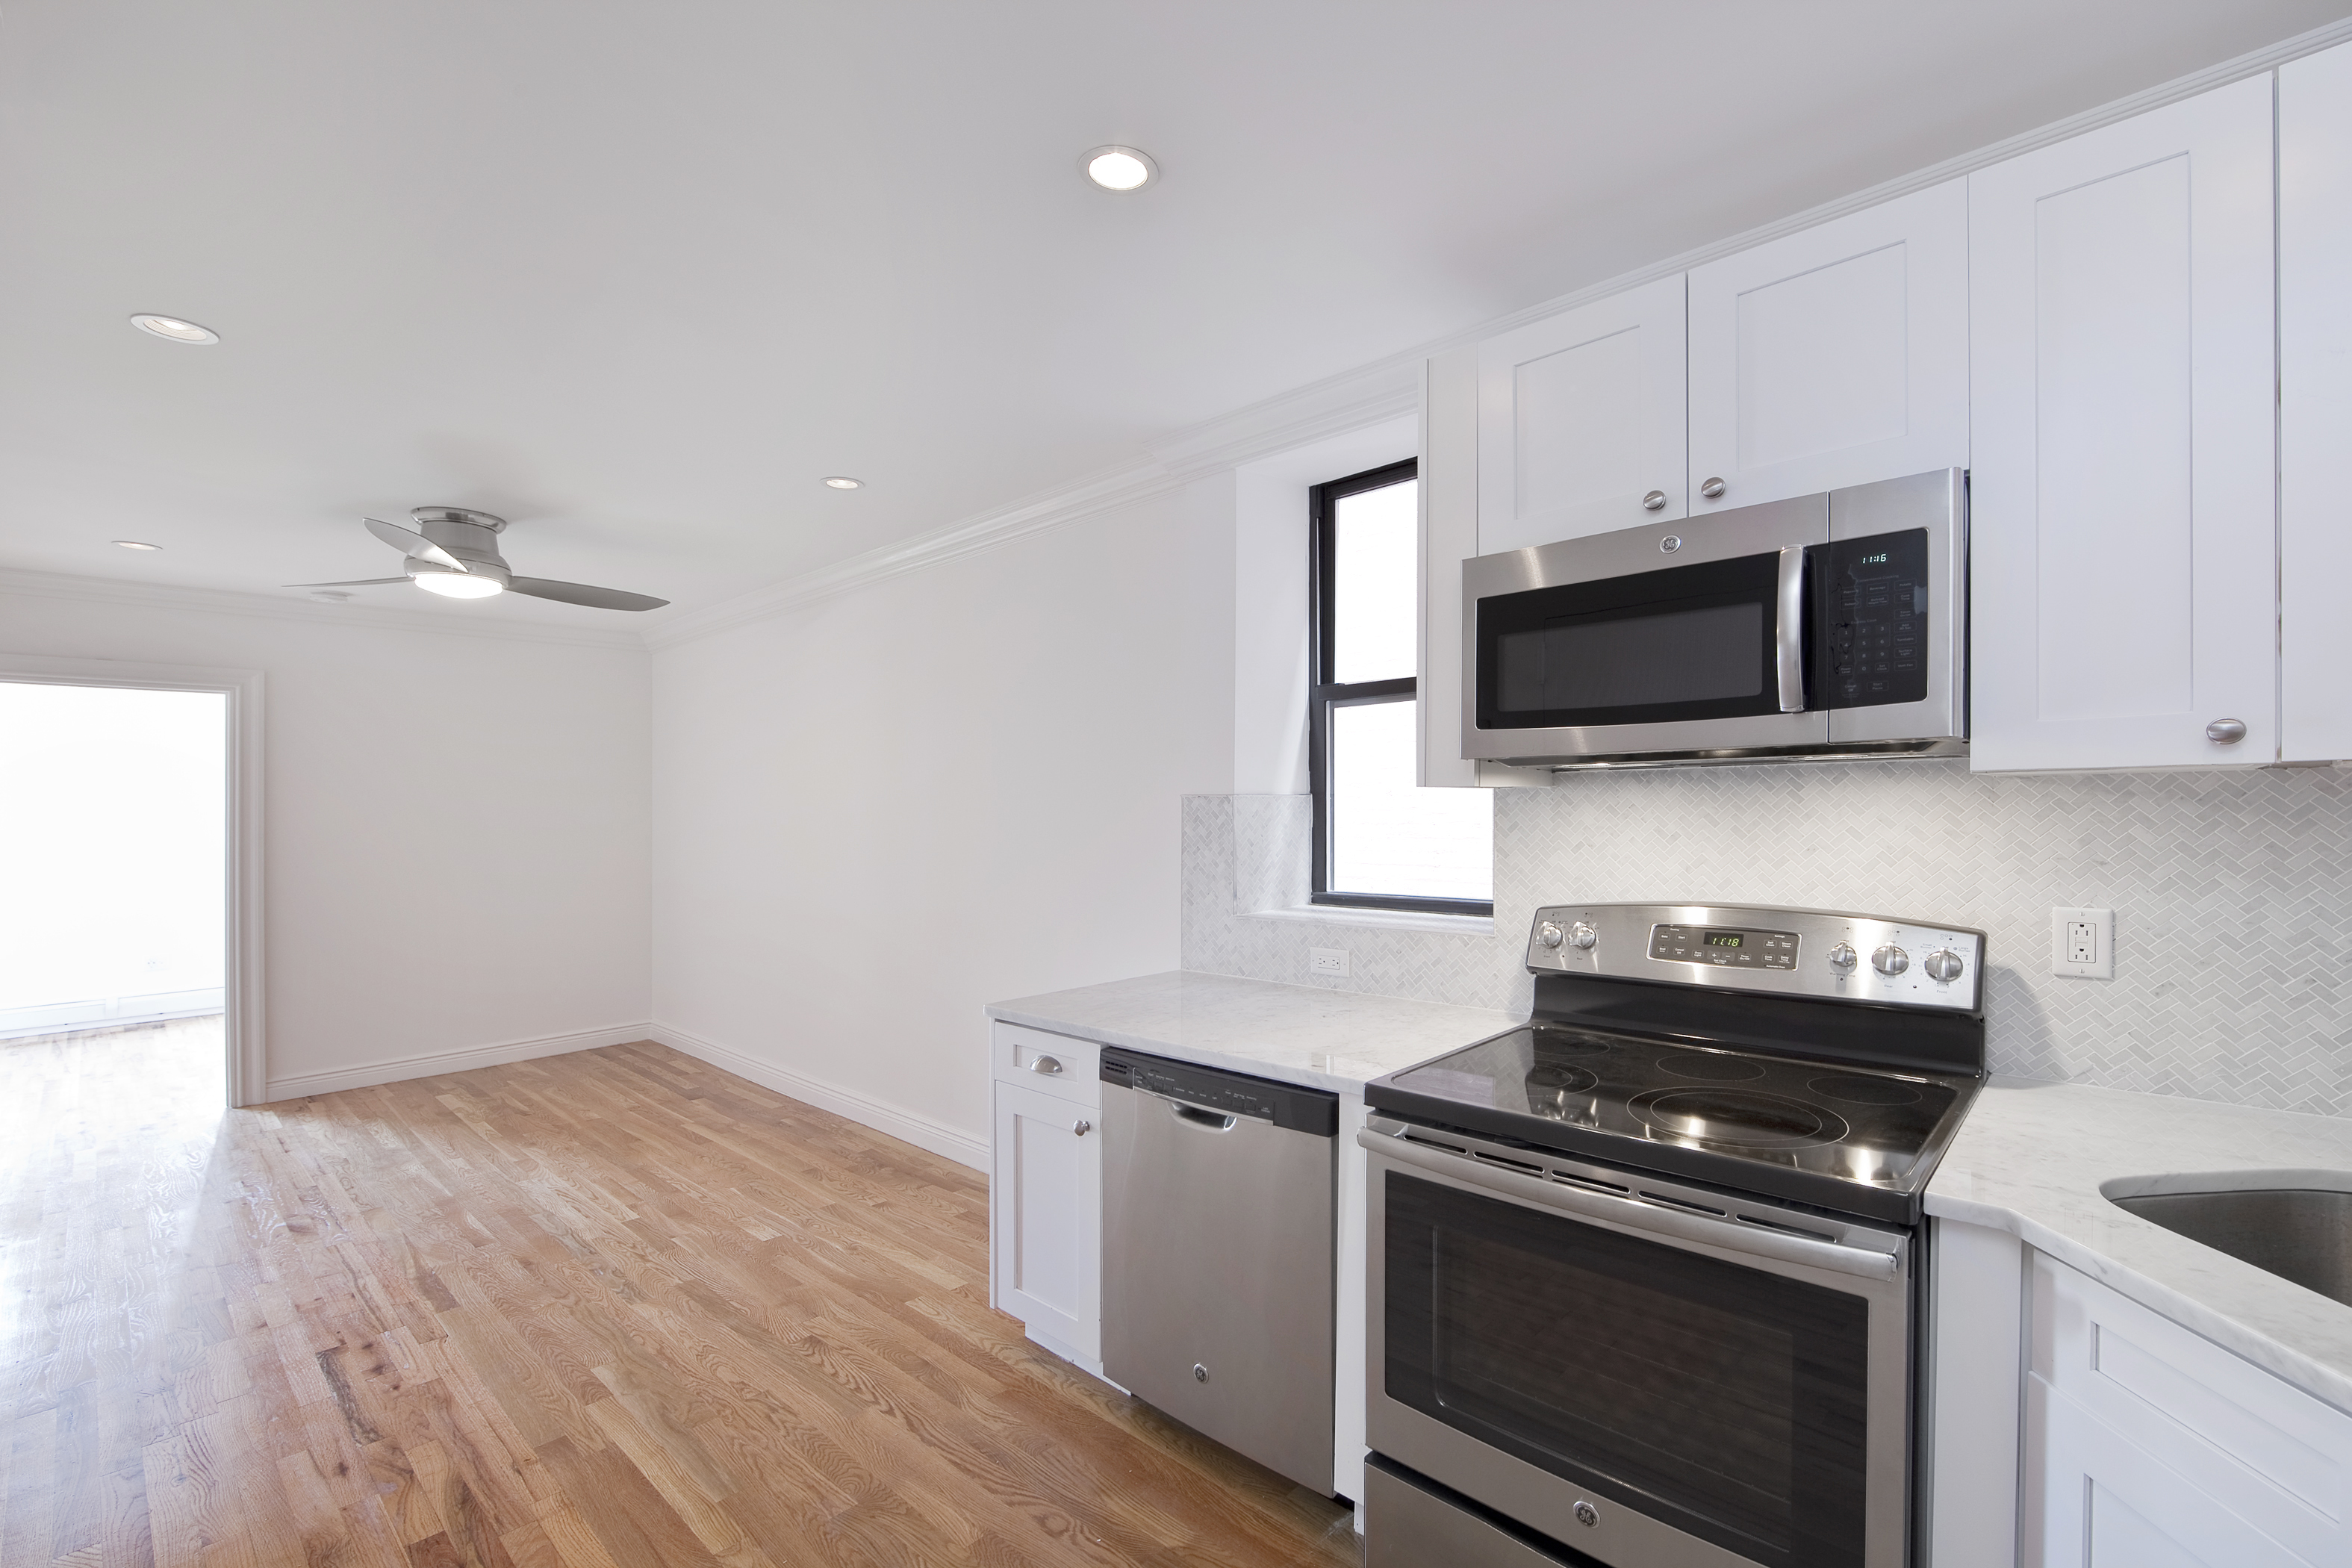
[1943, 964]
[1712, 489]
[2226, 732]
[1890, 960]
[1582, 936]
[1082, 1128]
[1655, 501]
[1549, 935]
[1843, 958]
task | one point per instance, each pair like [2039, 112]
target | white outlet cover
[1328, 959]
[2063, 934]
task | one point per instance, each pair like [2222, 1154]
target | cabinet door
[2315, 405]
[1837, 356]
[1580, 417]
[1045, 1213]
[2147, 1445]
[2124, 571]
[2097, 1500]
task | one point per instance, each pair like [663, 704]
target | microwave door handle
[1790, 640]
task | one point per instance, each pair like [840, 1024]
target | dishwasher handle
[1198, 1116]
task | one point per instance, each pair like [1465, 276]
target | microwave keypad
[1873, 620]
[1722, 947]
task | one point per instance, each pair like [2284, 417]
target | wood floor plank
[611, 1310]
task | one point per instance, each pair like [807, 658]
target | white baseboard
[438, 1062]
[906, 1125]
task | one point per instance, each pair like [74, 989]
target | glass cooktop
[1851, 1123]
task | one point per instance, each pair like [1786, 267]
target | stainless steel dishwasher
[1218, 1254]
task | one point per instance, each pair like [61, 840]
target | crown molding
[1104, 492]
[263, 607]
[1388, 387]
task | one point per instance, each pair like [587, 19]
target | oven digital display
[1722, 948]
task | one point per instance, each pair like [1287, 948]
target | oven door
[1655, 1387]
[1688, 638]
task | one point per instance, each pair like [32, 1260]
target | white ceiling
[636, 276]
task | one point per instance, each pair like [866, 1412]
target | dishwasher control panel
[1285, 1105]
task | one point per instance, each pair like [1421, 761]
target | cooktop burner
[1851, 1124]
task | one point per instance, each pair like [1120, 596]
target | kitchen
[2090, 1333]
[980, 846]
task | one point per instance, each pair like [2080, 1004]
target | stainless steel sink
[2300, 1234]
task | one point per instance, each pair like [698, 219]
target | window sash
[1325, 695]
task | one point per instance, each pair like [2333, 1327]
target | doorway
[125, 906]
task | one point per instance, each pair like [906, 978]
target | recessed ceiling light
[844, 482]
[135, 544]
[1119, 168]
[458, 585]
[178, 331]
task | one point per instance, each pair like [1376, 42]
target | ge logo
[1586, 1514]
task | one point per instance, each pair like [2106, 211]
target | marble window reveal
[2233, 915]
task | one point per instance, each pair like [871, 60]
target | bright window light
[111, 810]
[1390, 836]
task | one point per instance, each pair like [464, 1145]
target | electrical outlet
[1328, 959]
[2082, 943]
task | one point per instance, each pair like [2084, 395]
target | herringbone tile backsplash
[2229, 892]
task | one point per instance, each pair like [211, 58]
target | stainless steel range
[1645, 1273]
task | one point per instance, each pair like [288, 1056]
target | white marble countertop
[1296, 1034]
[2031, 1160]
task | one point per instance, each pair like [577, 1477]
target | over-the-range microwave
[1830, 626]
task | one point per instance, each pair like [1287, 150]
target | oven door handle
[1789, 630]
[1631, 1214]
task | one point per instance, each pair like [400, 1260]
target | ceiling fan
[454, 551]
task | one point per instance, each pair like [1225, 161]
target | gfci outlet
[1328, 959]
[2082, 943]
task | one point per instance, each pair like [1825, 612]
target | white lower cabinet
[1046, 1219]
[2147, 1446]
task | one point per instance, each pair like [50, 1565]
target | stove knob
[1943, 964]
[1582, 936]
[1549, 935]
[1890, 960]
[1843, 959]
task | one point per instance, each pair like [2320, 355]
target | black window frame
[1325, 695]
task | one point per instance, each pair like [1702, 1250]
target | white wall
[457, 836]
[878, 812]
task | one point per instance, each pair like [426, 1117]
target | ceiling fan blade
[581, 593]
[408, 542]
[357, 582]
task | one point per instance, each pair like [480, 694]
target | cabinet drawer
[2264, 1450]
[1058, 1064]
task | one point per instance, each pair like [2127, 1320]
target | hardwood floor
[601, 1310]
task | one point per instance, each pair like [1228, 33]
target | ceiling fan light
[458, 585]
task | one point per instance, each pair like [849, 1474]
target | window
[1380, 840]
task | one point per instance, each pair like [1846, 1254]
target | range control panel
[1725, 946]
[1821, 953]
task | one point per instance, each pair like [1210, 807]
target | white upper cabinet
[1581, 421]
[1836, 356]
[2124, 574]
[2315, 405]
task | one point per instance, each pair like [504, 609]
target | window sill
[1383, 919]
